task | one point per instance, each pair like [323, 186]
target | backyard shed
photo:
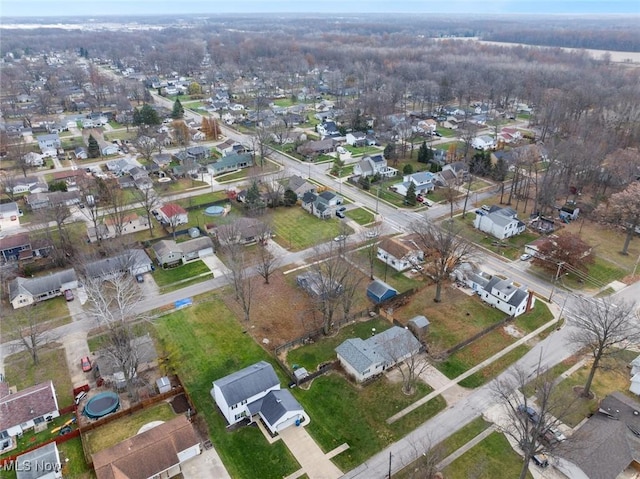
[379, 291]
[419, 326]
[164, 385]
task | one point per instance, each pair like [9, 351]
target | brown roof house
[27, 408]
[157, 452]
[400, 253]
[607, 446]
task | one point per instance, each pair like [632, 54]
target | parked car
[64, 430]
[340, 238]
[525, 257]
[540, 460]
[531, 413]
[85, 362]
[340, 214]
[139, 278]
[79, 397]
[68, 295]
[371, 234]
[553, 436]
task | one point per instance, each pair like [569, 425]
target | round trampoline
[101, 405]
[214, 211]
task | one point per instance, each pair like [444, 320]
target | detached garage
[379, 291]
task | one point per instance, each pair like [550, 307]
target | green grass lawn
[363, 150]
[296, 229]
[205, 343]
[203, 199]
[73, 463]
[491, 458]
[312, 355]
[164, 277]
[344, 413]
[117, 431]
[22, 373]
[54, 312]
[30, 438]
[446, 447]
[360, 216]
[399, 280]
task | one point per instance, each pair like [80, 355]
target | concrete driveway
[75, 347]
[207, 465]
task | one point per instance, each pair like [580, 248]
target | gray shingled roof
[124, 262]
[39, 462]
[277, 403]
[608, 442]
[41, 285]
[381, 348]
[420, 321]
[379, 288]
[247, 382]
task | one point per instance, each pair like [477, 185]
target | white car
[341, 150]
[525, 257]
[340, 238]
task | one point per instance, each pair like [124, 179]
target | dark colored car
[65, 430]
[540, 460]
[139, 278]
[531, 413]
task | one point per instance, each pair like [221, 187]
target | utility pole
[555, 280]
[377, 197]
[389, 464]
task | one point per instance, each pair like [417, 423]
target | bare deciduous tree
[29, 331]
[527, 419]
[149, 201]
[623, 208]
[601, 327]
[444, 250]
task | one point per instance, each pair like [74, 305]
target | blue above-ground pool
[101, 405]
[214, 211]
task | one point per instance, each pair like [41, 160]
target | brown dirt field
[281, 312]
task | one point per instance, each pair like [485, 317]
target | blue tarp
[183, 303]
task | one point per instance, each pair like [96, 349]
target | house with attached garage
[132, 261]
[374, 165]
[231, 162]
[26, 291]
[158, 452]
[424, 183]
[356, 138]
[400, 253]
[169, 253]
[49, 144]
[364, 359]
[21, 247]
[33, 159]
[255, 391]
[300, 186]
[483, 142]
[244, 231]
[311, 149]
[25, 409]
[500, 223]
[29, 184]
[322, 205]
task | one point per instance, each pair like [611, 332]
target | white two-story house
[499, 222]
[374, 165]
[501, 293]
[400, 253]
[423, 181]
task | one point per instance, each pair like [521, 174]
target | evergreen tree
[178, 111]
[93, 148]
[408, 169]
[423, 153]
[290, 197]
[410, 197]
[390, 151]
[146, 115]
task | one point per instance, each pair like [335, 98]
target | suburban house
[256, 390]
[231, 162]
[21, 247]
[169, 253]
[483, 142]
[41, 463]
[379, 291]
[112, 227]
[26, 409]
[364, 359]
[230, 147]
[173, 215]
[501, 293]
[193, 153]
[9, 214]
[71, 178]
[81, 153]
[634, 385]
[313, 283]
[322, 205]
[374, 165]
[49, 144]
[243, 231]
[162, 160]
[38, 201]
[300, 186]
[607, 445]
[499, 222]
[509, 135]
[154, 453]
[356, 138]
[313, 148]
[427, 126]
[424, 183]
[33, 159]
[29, 184]
[328, 129]
[400, 253]
[26, 291]
[110, 150]
[459, 169]
[132, 261]
[568, 213]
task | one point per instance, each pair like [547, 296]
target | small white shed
[164, 385]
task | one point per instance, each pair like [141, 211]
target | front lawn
[205, 343]
[117, 431]
[398, 280]
[52, 365]
[164, 277]
[363, 150]
[296, 229]
[493, 457]
[342, 412]
[360, 216]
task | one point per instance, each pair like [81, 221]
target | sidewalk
[476, 368]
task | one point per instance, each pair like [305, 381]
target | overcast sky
[40, 8]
